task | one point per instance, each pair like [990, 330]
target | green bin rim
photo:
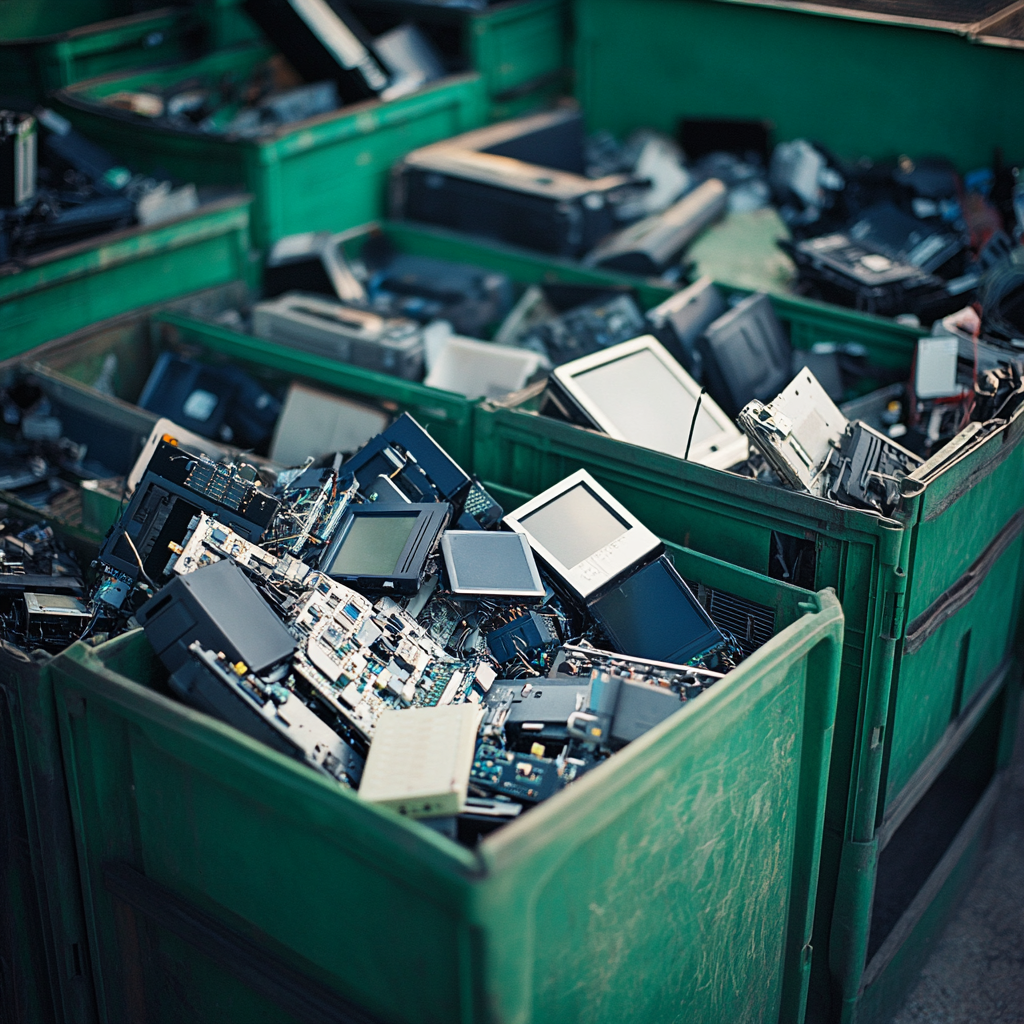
[975, 32]
[98, 27]
[76, 97]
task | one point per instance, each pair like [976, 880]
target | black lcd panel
[574, 525]
[373, 545]
[383, 546]
[653, 614]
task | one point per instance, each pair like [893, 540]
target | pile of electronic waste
[906, 237]
[707, 363]
[454, 326]
[535, 181]
[327, 59]
[57, 187]
[384, 620]
[43, 593]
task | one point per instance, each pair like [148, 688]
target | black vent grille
[752, 624]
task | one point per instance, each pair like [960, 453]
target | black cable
[693, 423]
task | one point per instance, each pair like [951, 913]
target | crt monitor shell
[717, 442]
[590, 570]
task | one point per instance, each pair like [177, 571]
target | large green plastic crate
[62, 291]
[44, 974]
[931, 599]
[519, 47]
[71, 368]
[675, 883]
[857, 82]
[47, 57]
[326, 173]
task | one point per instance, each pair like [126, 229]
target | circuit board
[357, 657]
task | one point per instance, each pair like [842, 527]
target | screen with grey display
[574, 525]
[491, 561]
[646, 403]
[373, 545]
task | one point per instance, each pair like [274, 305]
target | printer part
[324, 40]
[518, 181]
[681, 319]
[311, 262]
[219, 402]
[652, 245]
[357, 336]
[745, 354]
[812, 446]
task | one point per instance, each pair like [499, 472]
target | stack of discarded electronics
[58, 187]
[906, 237]
[384, 620]
[641, 391]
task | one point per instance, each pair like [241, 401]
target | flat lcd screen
[575, 525]
[653, 614]
[646, 403]
[373, 545]
[490, 563]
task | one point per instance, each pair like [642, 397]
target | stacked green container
[519, 47]
[326, 173]
[944, 609]
[826, 72]
[224, 881]
[39, 54]
[932, 603]
[64, 290]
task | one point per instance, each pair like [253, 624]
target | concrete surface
[976, 973]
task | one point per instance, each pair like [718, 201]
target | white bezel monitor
[584, 535]
[637, 392]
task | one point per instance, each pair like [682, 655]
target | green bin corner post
[58, 984]
[519, 48]
[844, 916]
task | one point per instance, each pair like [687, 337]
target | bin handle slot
[956, 597]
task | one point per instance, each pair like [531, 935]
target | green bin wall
[32, 67]
[861, 88]
[56, 293]
[224, 881]
[46, 971]
[326, 173]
